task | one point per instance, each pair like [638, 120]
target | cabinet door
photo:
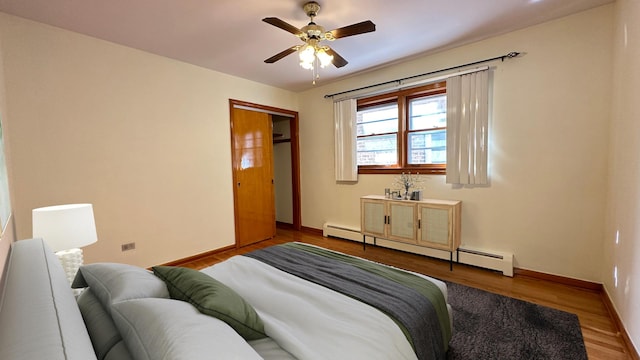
[372, 217]
[435, 227]
[402, 222]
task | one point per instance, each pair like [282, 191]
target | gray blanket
[412, 311]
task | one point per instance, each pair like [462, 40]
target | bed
[291, 301]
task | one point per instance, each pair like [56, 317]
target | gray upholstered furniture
[39, 317]
[126, 313]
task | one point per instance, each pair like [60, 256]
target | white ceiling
[229, 36]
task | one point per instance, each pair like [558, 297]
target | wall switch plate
[129, 246]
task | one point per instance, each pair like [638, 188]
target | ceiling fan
[312, 51]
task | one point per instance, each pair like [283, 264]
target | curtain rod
[501, 57]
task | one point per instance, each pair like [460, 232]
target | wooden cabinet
[429, 223]
[439, 226]
[377, 218]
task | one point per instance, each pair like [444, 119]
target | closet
[265, 162]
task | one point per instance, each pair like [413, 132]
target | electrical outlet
[129, 246]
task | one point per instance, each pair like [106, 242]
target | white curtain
[467, 128]
[346, 163]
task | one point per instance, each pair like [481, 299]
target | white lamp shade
[65, 227]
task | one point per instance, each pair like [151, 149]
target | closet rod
[501, 57]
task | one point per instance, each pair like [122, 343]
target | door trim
[295, 155]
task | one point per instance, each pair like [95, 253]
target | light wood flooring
[601, 335]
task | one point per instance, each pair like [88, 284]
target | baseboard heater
[494, 260]
[342, 232]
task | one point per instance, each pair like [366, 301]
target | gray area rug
[491, 326]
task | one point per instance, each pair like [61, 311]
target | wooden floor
[601, 336]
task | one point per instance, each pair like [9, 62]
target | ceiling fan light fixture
[325, 59]
[306, 65]
[312, 54]
[307, 56]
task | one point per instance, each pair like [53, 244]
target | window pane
[427, 147]
[378, 150]
[428, 112]
[378, 120]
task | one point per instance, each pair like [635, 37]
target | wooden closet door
[252, 144]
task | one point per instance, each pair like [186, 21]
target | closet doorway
[266, 176]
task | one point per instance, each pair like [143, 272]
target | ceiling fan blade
[355, 29]
[282, 25]
[338, 61]
[281, 54]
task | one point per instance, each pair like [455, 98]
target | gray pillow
[119, 352]
[213, 298]
[102, 331]
[112, 283]
[170, 329]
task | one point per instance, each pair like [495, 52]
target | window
[403, 131]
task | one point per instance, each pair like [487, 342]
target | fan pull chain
[315, 73]
[314, 76]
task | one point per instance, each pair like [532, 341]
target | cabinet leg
[451, 261]
[364, 242]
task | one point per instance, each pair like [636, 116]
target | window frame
[402, 98]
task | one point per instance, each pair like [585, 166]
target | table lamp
[66, 228]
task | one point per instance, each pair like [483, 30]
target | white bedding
[268, 349]
[310, 321]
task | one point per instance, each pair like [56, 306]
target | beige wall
[144, 138]
[622, 236]
[548, 147]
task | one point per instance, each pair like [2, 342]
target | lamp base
[71, 260]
